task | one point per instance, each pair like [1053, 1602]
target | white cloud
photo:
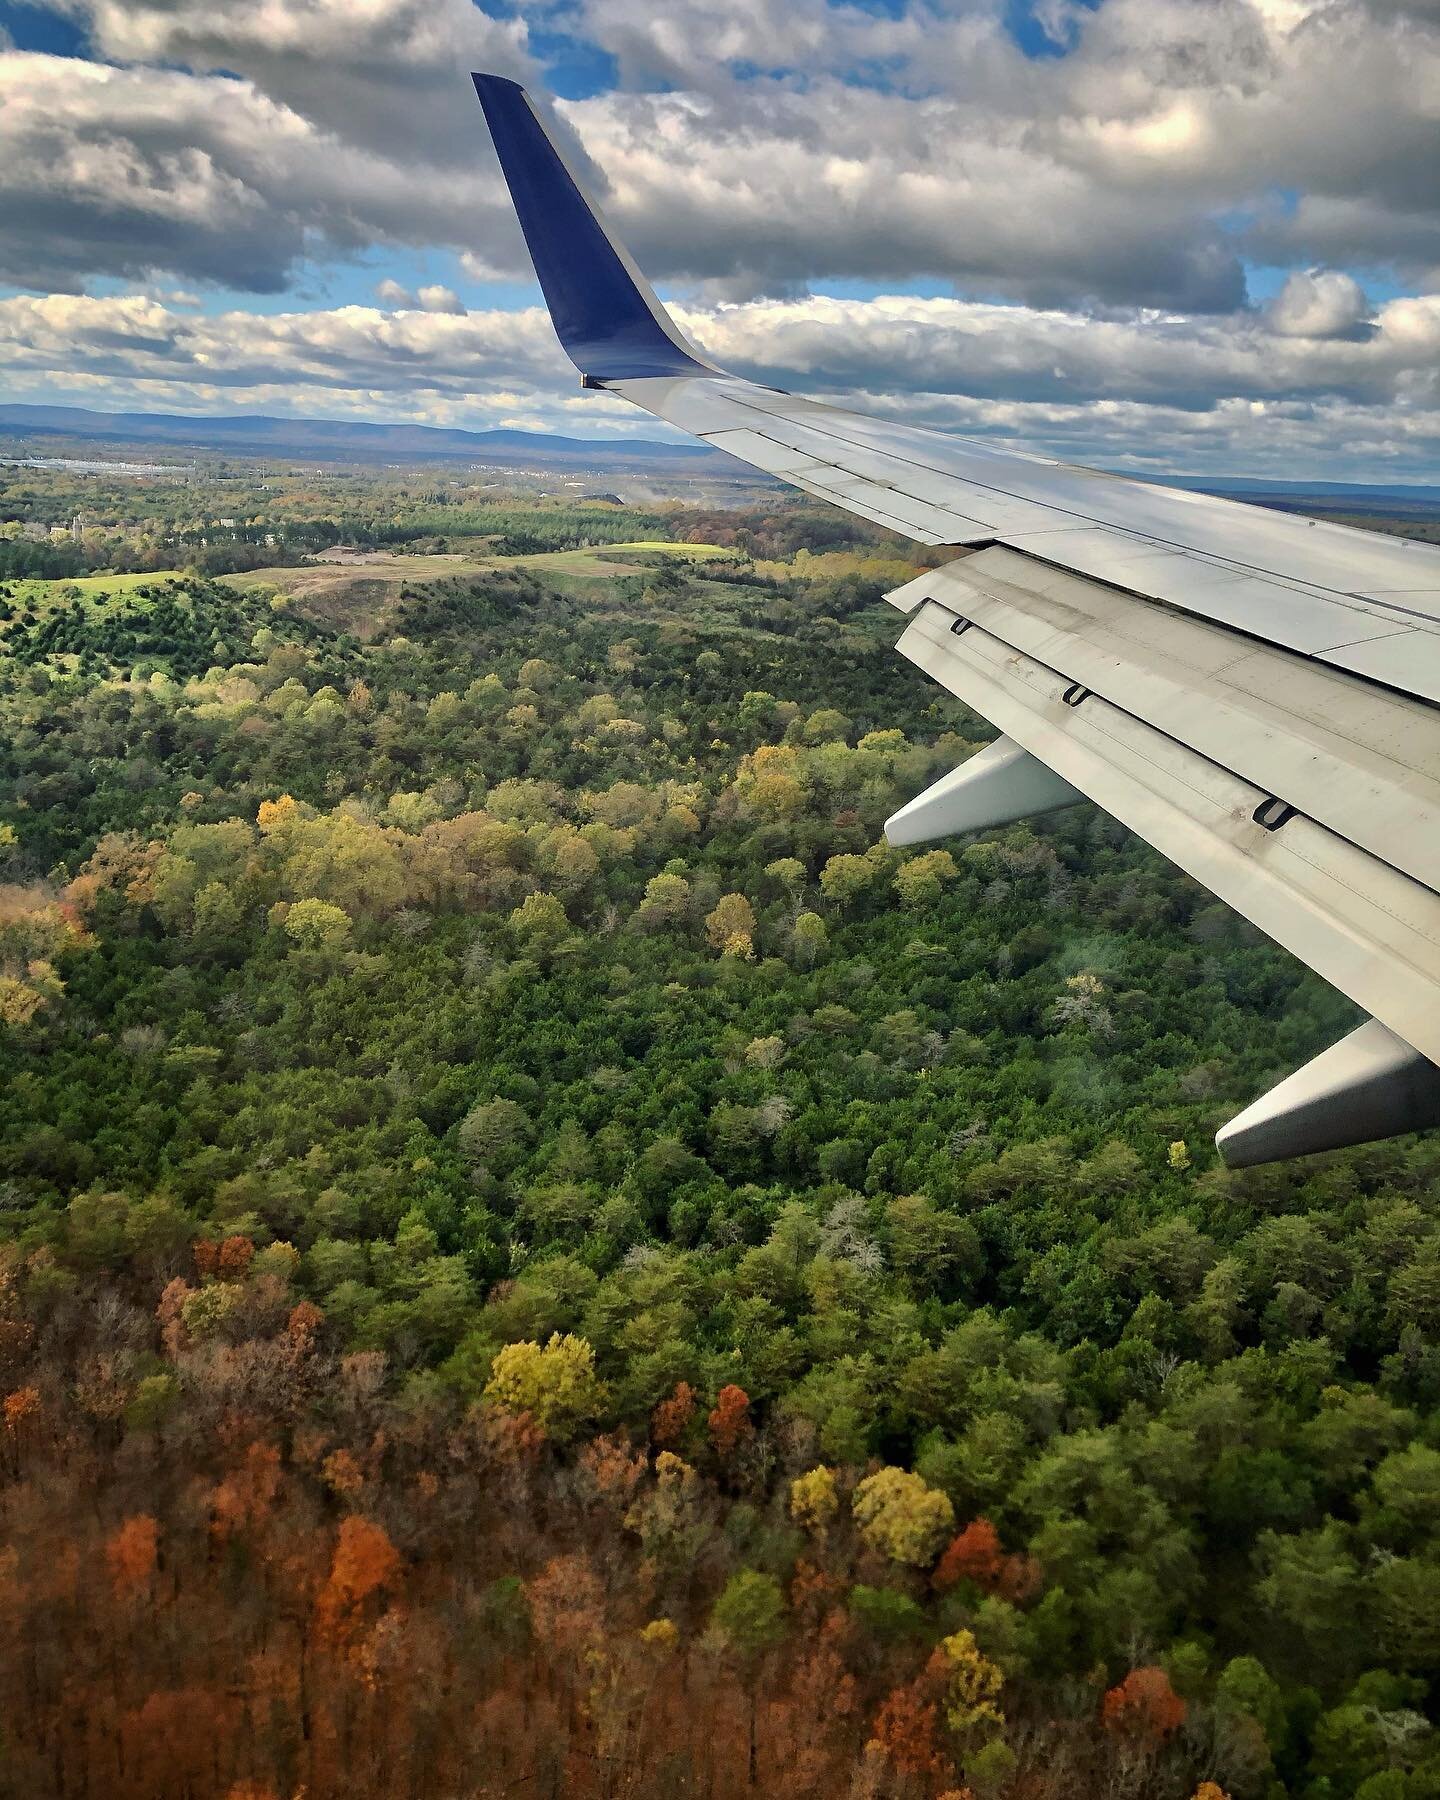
[1137, 393]
[1137, 169]
[1319, 303]
[123, 172]
[390, 293]
[440, 299]
[990, 351]
[389, 75]
[1176, 138]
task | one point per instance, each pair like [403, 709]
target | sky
[1171, 236]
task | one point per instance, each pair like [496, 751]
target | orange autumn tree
[236, 1255]
[671, 1417]
[20, 1408]
[975, 1555]
[1144, 1704]
[906, 1731]
[130, 1554]
[365, 1563]
[729, 1423]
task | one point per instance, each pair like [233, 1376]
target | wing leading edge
[1254, 693]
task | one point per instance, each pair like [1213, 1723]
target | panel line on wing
[1370, 930]
[1294, 727]
[1370, 602]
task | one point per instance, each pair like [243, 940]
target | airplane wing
[1252, 692]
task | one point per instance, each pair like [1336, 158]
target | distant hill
[344, 440]
[1403, 498]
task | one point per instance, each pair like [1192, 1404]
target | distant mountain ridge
[1264, 489]
[349, 440]
[352, 440]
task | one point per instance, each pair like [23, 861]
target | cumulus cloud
[970, 348]
[435, 298]
[1319, 303]
[1147, 392]
[1139, 168]
[390, 75]
[1173, 140]
[349, 346]
[122, 172]
[440, 299]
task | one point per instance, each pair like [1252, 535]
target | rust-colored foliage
[247, 1492]
[130, 1553]
[205, 1254]
[567, 1603]
[974, 1555]
[812, 1589]
[365, 1563]
[21, 1407]
[671, 1418]
[730, 1423]
[614, 1469]
[169, 1739]
[907, 1731]
[302, 1326]
[342, 1474]
[168, 1312]
[1144, 1704]
[236, 1255]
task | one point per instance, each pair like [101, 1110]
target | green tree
[317, 924]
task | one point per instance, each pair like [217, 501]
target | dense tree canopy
[537, 1250]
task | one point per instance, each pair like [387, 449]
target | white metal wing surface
[1256, 694]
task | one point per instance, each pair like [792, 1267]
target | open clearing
[93, 590]
[351, 596]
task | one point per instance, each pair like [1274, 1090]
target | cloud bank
[1093, 209]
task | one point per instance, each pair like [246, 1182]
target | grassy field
[40, 596]
[353, 595]
[602, 560]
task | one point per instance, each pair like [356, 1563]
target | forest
[538, 1256]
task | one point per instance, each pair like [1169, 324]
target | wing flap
[1295, 730]
[1368, 929]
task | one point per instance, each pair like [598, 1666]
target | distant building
[77, 528]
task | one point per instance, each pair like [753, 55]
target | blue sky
[1195, 235]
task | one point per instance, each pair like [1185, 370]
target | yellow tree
[902, 1516]
[731, 927]
[555, 1383]
[971, 1683]
[813, 1500]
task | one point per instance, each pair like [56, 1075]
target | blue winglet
[610, 323]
